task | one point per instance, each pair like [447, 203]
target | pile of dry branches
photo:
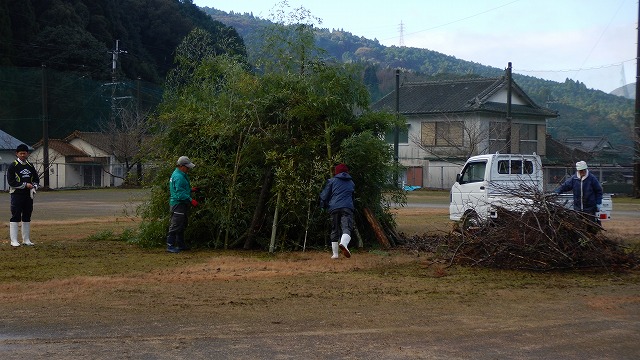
[547, 236]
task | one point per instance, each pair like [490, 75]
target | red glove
[195, 189]
[194, 202]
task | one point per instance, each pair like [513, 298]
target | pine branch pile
[547, 236]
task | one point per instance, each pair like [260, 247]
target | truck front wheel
[470, 222]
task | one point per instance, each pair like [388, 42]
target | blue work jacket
[587, 192]
[338, 192]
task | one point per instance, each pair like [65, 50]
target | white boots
[342, 245]
[26, 233]
[13, 233]
[344, 242]
[336, 250]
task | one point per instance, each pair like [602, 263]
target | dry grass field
[79, 294]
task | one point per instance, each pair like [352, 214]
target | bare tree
[455, 137]
[127, 140]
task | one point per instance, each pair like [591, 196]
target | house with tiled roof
[601, 156]
[88, 159]
[8, 145]
[449, 121]
[599, 148]
[561, 155]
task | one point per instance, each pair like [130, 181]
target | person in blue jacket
[587, 191]
[180, 201]
[337, 198]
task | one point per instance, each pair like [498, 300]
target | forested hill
[80, 35]
[583, 112]
[75, 40]
[70, 43]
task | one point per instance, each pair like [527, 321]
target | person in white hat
[587, 191]
[180, 201]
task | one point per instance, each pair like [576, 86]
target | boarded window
[428, 133]
[446, 133]
[498, 136]
[528, 138]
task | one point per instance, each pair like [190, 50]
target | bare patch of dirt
[127, 302]
[305, 305]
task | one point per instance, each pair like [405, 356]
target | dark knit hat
[22, 147]
[340, 168]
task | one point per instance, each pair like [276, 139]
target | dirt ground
[302, 305]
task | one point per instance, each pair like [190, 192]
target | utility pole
[138, 128]
[396, 130]
[114, 76]
[508, 135]
[636, 138]
[45, 129]
[114, 85]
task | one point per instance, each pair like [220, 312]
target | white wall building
[449, 121]
[86, 159]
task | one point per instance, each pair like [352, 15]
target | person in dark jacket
[587, 191]
[337, 198]
[23, 182]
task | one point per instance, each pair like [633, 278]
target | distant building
[599, 148]
[8, 145]
[88, 159]
[449, 121]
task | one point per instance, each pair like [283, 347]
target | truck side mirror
[459, 178]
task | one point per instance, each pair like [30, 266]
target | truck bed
[607, 204]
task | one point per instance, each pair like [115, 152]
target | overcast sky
[593, 41]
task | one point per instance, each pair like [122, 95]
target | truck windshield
[473, 172]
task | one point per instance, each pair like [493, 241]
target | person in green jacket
[180, 201]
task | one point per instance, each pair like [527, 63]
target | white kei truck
[487, 182]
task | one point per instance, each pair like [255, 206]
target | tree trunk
[377, 229]
[258, 214]
[274, 226]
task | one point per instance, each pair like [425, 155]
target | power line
[600, 37]
[579, 69]
[459, 20]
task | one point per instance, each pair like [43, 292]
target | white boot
[344, 242]
[336, 250]
[13, 233]
[26, 234]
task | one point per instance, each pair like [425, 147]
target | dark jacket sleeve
[325, 195]
[12, 179]
[566, 186]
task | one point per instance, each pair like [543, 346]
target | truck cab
[489, 181]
